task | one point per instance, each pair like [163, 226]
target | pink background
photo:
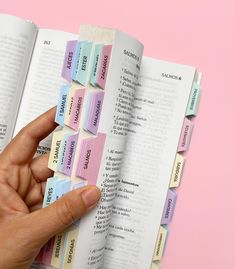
[200, 33]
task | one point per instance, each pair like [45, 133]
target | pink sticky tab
[95, 112]
[69, 154]
[185, 136]
[68, 60]
[104, 65]
[76, 109]
[90, 157]
[47, 251]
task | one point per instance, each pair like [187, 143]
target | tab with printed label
[185, 136]
[104, 65]
[160, 244]
[68, 60]
[55, 148]
[83, 75]
[194, 100]
[69, 154]
[61, 106]
[91, 152]
[77, 59]
[50, 189]
[57, 251]
[177, 171]
[70, 247]
[76, 109]
[95, 112]
[169, 207]
[95, 64]
[62, 151]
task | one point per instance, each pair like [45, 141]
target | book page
[17, 37]
[44, 79]
[116, 111]
[159, 109]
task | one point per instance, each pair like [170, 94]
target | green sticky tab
[95, 64]
[193, 100]
[83, 75]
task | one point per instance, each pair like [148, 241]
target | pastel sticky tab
[68, 60]
[62, 151]
[77, 59]
[49, 191]
[69, 154]
[185, 136]
[91, 152]
[95, 64]
[95, 112]
[155, 265]
[104, 65]
[65, 187]
[177, 171]
[88, 105]
[78, 185]
[160, 243]
[61, 105]
[83, 67]
[76, 109]
[194, 100]
[71, 241]
[169, 207]
[55, 148]
[47, 252]
[57, 252]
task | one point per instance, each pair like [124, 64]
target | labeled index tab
[194, 100]
[69, 59]
[186, 134]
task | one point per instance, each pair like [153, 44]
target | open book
[122, 125]
[30, 73]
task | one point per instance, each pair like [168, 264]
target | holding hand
[24, 227]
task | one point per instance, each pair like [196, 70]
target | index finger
[23, 147]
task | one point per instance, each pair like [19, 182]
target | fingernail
[91, 196]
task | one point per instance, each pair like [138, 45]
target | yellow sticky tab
[177, 171]
[57, 252]
[70, 248]
[160, 243]
[155, 265]
[55, 147]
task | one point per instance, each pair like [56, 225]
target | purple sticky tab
[104, 65]
[68, 60]
[169, 207]
[69, 154]
[95, 112]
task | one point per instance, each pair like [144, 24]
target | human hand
[24, 228]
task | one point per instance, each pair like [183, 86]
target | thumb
[48, 221]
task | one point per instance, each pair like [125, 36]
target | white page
[158, 115]
[93, 229]
[44, 78]
[17, 38]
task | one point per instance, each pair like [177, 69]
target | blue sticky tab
[63, 187]
[61, 106]
[77, 59]
[95, 64]
[49, 191]
[83, 67]
[88, 105]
